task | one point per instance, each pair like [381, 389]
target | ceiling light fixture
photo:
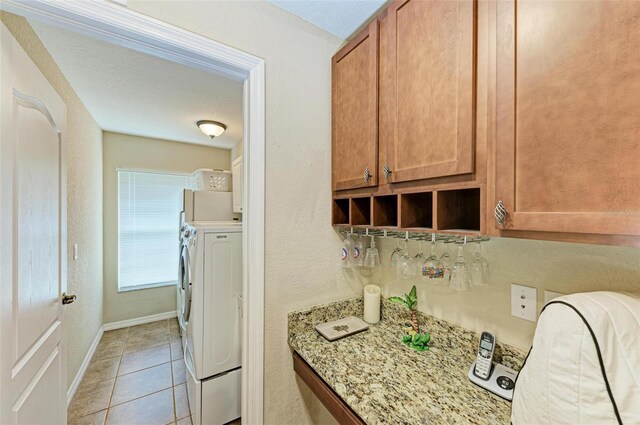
[211, 128]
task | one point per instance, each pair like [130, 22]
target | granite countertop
[386, 382]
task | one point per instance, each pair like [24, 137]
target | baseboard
[140, 320]
[71, 391]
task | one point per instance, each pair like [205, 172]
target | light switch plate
[549, 295]
[75, 251]
[524, 302]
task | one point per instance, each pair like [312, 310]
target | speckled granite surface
[385, 382]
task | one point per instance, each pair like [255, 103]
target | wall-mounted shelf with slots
[458, 210]
[361, 211]
[385, 211]
[416, 211]
[455, 211]
[340, 212]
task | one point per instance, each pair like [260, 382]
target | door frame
[118, 25]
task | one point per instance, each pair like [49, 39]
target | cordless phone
[484, 359]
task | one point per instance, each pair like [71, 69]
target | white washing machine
[210, 316]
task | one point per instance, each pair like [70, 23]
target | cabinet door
[431, 48]
[237, 184]
[355, 112]
[568, 116]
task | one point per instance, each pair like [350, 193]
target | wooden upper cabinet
[431, 48]
[568, 116]
[354, 112]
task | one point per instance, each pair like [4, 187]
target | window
[149, 206]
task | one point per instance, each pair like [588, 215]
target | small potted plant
[413, 338]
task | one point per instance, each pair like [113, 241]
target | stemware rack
[413, 236]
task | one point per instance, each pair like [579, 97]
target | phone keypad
[483, 367]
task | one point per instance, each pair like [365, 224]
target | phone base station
[501, 381]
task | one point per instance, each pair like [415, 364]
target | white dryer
[210, 315]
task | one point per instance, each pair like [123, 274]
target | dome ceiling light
[211, 128]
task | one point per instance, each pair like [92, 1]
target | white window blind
[149, 206]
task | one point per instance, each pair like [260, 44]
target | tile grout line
[120, 360]
[173, 383]
[106, 416]
[142, 396]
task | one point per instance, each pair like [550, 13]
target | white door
[33, 382]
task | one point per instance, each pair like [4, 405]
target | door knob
[68, 298]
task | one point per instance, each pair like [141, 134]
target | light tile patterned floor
[136, 377]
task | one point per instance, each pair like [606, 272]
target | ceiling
[134, 93]
[339, 17]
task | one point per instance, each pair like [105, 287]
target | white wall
[125, 151]
[301, 247]
[84, 213]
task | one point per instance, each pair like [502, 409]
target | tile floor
[136, 377]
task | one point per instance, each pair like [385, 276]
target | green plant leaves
[410, 300]
[419, 342]
[398, 300]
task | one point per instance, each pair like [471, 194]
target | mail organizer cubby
[360, 211]
[385, 211]
[459, 210]
[416, 210]
[340, 212]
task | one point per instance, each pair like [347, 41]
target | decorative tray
[341, 328]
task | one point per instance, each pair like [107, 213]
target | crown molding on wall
[138, 32]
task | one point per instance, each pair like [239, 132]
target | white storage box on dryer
[214, 180]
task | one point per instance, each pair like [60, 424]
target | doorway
[120, 26]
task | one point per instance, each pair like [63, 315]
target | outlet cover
[549, 295]
[524, 302]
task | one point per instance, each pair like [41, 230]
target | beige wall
[125, 151]
[559, 267]
[236, 151]
[298, 166]
[84, 213]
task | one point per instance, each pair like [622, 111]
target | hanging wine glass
[460, 272]
[479, 268]
[432, 267]
[419, 257]
[347, 252]
[447, 262]
[395, 255]
[406, 264]
[372, 258]
[358, 253]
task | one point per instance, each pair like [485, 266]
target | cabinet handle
[367, 175]
[386, 170]
[500, 212]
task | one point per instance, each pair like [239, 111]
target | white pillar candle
[372, 304]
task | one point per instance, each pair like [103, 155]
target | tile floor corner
[136, 377]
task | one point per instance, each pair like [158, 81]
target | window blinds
[149, 206]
